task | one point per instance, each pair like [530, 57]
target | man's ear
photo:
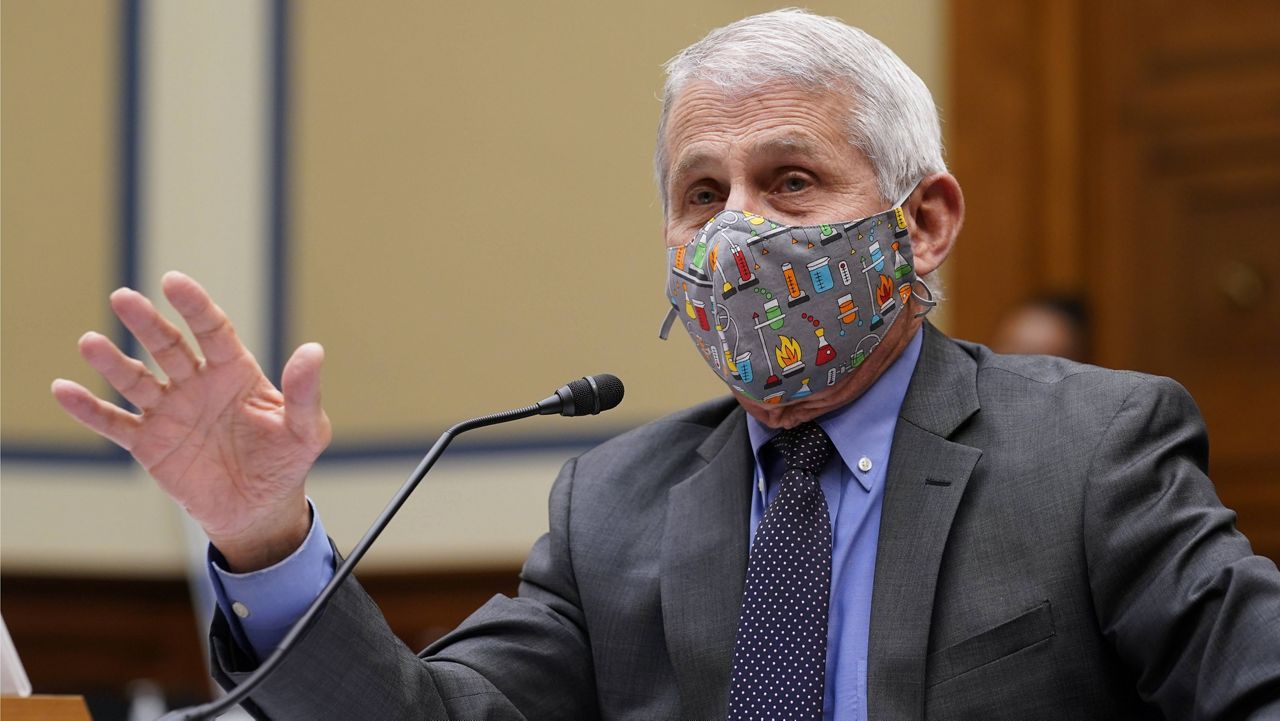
[935, 212]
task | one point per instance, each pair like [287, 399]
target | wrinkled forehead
[707, 124]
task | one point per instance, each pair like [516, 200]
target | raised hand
[218, 437]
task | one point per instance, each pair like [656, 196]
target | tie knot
[806, 446]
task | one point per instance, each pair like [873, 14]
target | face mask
[781, 312]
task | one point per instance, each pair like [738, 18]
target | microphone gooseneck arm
[554, 404]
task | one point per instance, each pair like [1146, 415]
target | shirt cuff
[261, 606]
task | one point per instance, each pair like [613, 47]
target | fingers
[212, 329]
[127, 375]
[160, 337]
[300, 383]
[99, 416]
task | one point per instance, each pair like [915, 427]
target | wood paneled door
[1129, 152]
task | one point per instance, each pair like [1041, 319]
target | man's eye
[702, 197]
[794, 184]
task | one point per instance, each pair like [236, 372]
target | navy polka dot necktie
[780, 658]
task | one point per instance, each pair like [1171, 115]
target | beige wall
[58, 60]
[475, 219]
[420, 137]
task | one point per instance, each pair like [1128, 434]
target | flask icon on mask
[900, 265]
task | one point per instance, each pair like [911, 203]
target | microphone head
[609, 390]
[590, 395]
[584, 397]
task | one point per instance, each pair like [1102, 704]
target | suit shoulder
[1051, 372]
[1050, 384]
[621, 482]
[648, 449]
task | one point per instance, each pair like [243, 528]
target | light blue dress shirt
[862, 433]
[262, 605]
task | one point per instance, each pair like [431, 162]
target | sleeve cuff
[261, 606]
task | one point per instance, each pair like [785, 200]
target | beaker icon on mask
[744, 367]
[848, 309]
[699, 257]
[820, 275]
[773, 314]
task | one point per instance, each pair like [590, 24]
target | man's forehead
[707, 123]
[784, 141]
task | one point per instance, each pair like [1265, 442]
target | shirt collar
[867, 421]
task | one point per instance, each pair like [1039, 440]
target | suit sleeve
[514, 658]
[1177, 589]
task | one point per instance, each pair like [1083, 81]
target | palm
[218, 437]
[219, 443]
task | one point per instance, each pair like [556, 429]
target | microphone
[586, 396]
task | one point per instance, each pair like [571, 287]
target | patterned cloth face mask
[781, 312]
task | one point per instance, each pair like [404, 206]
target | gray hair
[892, 118]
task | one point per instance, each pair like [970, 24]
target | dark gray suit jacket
[1050, 548]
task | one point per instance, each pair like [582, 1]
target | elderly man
[879, 523]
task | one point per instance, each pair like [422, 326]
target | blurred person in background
[1056, 325]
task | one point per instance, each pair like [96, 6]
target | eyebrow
[795, 144]
[789, 144]
[686, 163]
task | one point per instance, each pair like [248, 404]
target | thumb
[300, 383]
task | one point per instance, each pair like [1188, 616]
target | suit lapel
[926, 479]
[704, 566]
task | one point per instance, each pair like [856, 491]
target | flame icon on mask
[789, 355]
[884, 293]
[788, 351]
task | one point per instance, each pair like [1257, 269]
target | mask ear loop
[928, 303]
[667, 323]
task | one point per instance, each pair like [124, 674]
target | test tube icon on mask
[795, 293]
[773, 380]
[877, 257]
[699, 257]
[746, 276]
[727, 291]
[700, 311]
